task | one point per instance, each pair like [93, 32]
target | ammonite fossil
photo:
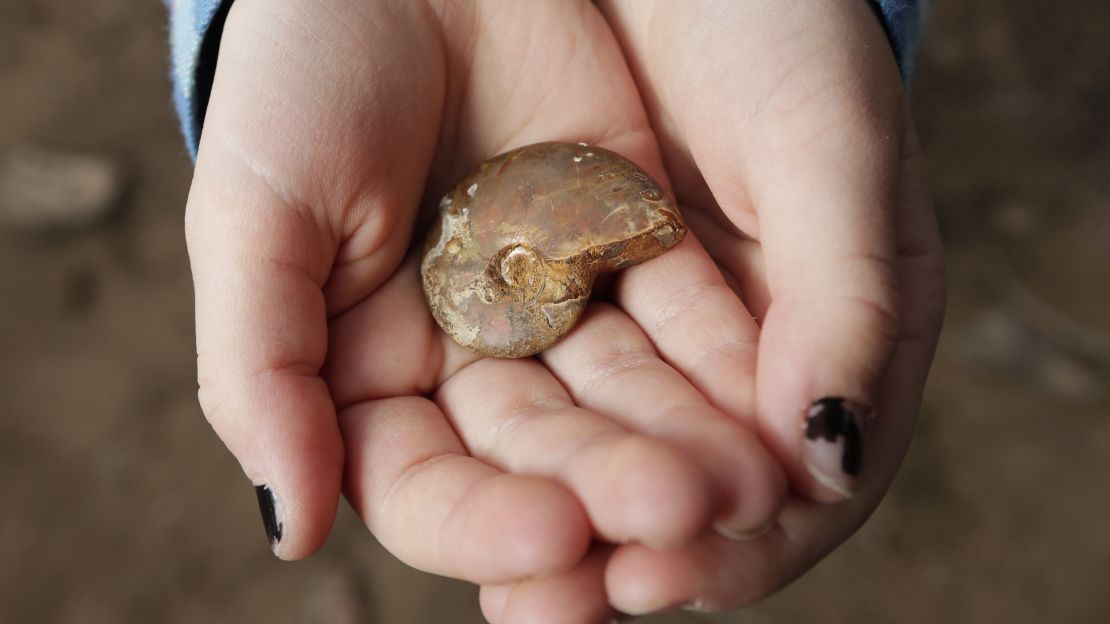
[509, 264]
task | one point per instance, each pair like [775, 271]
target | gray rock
[42, 189]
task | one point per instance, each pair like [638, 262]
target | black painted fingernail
[267, 504]
[833, 448]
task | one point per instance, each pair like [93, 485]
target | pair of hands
[654, 458]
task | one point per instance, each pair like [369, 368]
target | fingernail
[267, 504]
[697, 606]
[744, 536]
[833, 446]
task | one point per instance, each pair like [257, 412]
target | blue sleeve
[196, 26]
[902, 22]
[195, 29]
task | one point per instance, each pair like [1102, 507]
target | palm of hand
[640, 427]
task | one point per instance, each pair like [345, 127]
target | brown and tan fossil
[511, 259]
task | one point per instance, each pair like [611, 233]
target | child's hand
[327, 125]
[784, 128]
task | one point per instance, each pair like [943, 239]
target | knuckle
[615, 363]
[689, 304]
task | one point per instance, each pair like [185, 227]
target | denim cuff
[902, 23]
[195, 30]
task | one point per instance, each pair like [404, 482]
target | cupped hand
[785, 131]
[674, 408]
[329, 126]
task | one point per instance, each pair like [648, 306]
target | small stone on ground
[43, 189]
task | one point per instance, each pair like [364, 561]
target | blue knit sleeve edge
[901, 21]
[195, 29]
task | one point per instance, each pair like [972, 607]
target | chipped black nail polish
[267, 504]
[834, 418]
[834, 442]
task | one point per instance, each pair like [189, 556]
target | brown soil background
[118, 503]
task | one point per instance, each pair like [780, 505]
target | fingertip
[299, 504]
[710, 575]
[817, 372]
[492, 600]
[634, 580]
[440, 510]
[297, 530]
[664, 498]
[547, 531]
[283, 431]
[762, 492]
[576, 596]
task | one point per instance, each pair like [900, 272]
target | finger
[515, 415]
[697, 323]
[712, 574]
[609, 366]
[259, 265]
[834, 318]
[920, 272]
[719, 574]
[441, 511]
[835, 289]
[574, 597]
[258, 268]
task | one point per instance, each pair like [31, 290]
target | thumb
[827, 223]
[261, 340]
[309, 154]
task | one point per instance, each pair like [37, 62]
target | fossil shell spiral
[510, 262]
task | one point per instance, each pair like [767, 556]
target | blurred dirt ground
[120, 505]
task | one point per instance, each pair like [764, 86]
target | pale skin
[653, 459]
